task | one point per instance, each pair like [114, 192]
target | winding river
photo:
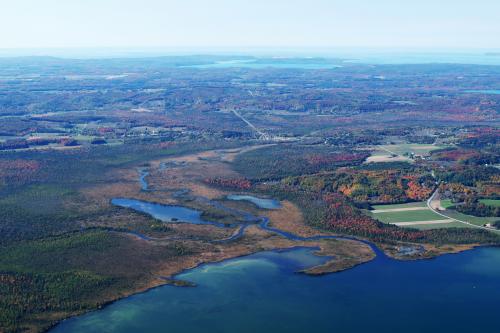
[143, 173]
[180, 214]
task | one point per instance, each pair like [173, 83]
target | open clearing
[479, 221]
[417, 149]
[407, 224]
[491, 202]
[429, 226]
[445, 204]
[378, 211]
[400, 152]
[413, 215]
[398, 206]
[445, 209]
[381, 157]
[408, 216]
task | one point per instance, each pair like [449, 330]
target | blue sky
[239, 24]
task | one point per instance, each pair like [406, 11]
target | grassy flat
[490, 202]
[440, 226]
[409, 216]
[447, 204]
[419, 149]
[398, 206]
[469, 218]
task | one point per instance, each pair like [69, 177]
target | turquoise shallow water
[259, 202]
[262, 293]
[487, 92]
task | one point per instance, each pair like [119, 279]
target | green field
[447, 204]
[429, 215]
[490, 202]
[413, 216]
[480, 221]
[400, 152]
[408, 216]
[419, 149]
[440, 226]
[397, 206]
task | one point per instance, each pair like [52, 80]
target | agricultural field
[490, 202]
[408, 148]
[403, 152]
[400, 206]
[446, 204]
[413, 215]
[479, 221]
[418, 215]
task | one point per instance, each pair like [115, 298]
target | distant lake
[261, 293]
[399, 58]
[270, 63]
[331, 60]
[487, 92]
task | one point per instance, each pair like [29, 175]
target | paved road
[262, 134]
[451, 218]
[387, 150]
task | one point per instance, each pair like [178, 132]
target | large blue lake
[270, 63]
[323, 60]
[262, 293]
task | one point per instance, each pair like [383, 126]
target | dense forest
[372, 186]
[277, 162]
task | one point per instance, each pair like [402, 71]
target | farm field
[396, 153]
[381, 156]
[491, 202]
[447, 204]
[414, 215]
[417, 215]
[407, 216]
[418, 149]
[430, 226]
[397, 206]
[480, 221]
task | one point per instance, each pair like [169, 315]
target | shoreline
[179, 283]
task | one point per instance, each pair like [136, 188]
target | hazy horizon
[230, 25]
[128, 52]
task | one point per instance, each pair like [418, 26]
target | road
[263, 135]
[387, 150]
[451, 218]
